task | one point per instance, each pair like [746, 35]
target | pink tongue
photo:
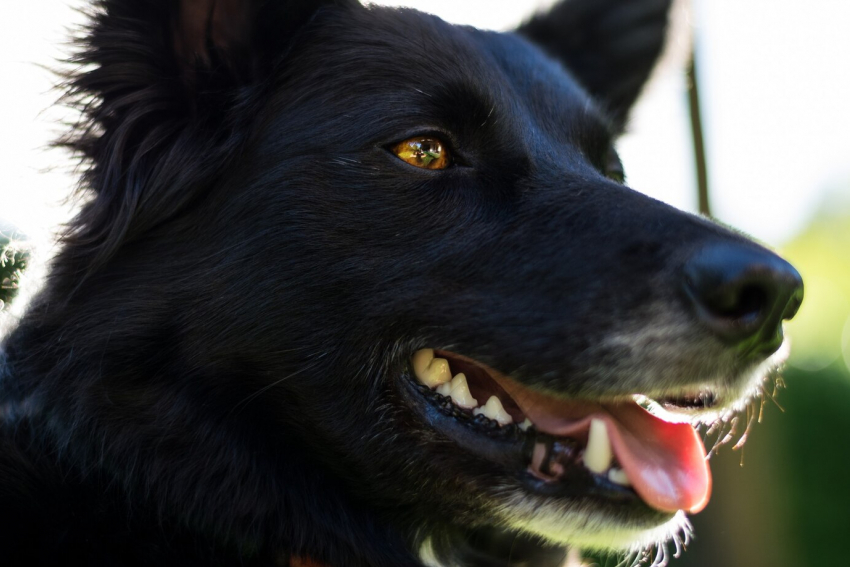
[665, 462]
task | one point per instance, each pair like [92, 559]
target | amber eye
[424, 152]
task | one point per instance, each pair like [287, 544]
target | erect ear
[610, 46]
[191, 38]
[241, 37]
[166, 90]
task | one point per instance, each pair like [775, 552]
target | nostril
[752, 301]
[742, 293]
[732, 305]
[745, 302]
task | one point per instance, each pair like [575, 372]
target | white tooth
[525, 424]
[445, 389]
[429, 370]
[618, 476]
[494, 410]
[421, 359]
[460, 393]
[598, 454]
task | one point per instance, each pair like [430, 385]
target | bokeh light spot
[817, 329]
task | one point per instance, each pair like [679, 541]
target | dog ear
[239, 37]
[226, 42]
[610, 46]
[166, 89]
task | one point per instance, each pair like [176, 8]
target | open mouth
[603, 449]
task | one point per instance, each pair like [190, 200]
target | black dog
[292, 203]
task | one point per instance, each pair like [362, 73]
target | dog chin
[565, 526]
[588, 528]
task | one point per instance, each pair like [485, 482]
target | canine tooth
[460, 393]
[598, 454]
[429, 370]
[494, 410]
[525, 424]
[618, 476]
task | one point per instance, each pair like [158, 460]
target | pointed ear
[610, 46]
[241, 37]
[166, 90]
[197, 40]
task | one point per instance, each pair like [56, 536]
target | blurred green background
[13, 260]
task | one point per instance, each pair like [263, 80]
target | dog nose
[743, 293]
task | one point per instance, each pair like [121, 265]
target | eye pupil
[423, 152]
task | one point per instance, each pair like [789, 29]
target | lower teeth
[618, 476]
[552, 456]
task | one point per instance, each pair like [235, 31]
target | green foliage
[13, 261]
[821, 331]
[814, 430]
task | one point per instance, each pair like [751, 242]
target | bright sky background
[776, 96]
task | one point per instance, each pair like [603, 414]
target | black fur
[213, 372]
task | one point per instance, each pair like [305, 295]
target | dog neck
[68, 412]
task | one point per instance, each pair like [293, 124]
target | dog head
[308, 217]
